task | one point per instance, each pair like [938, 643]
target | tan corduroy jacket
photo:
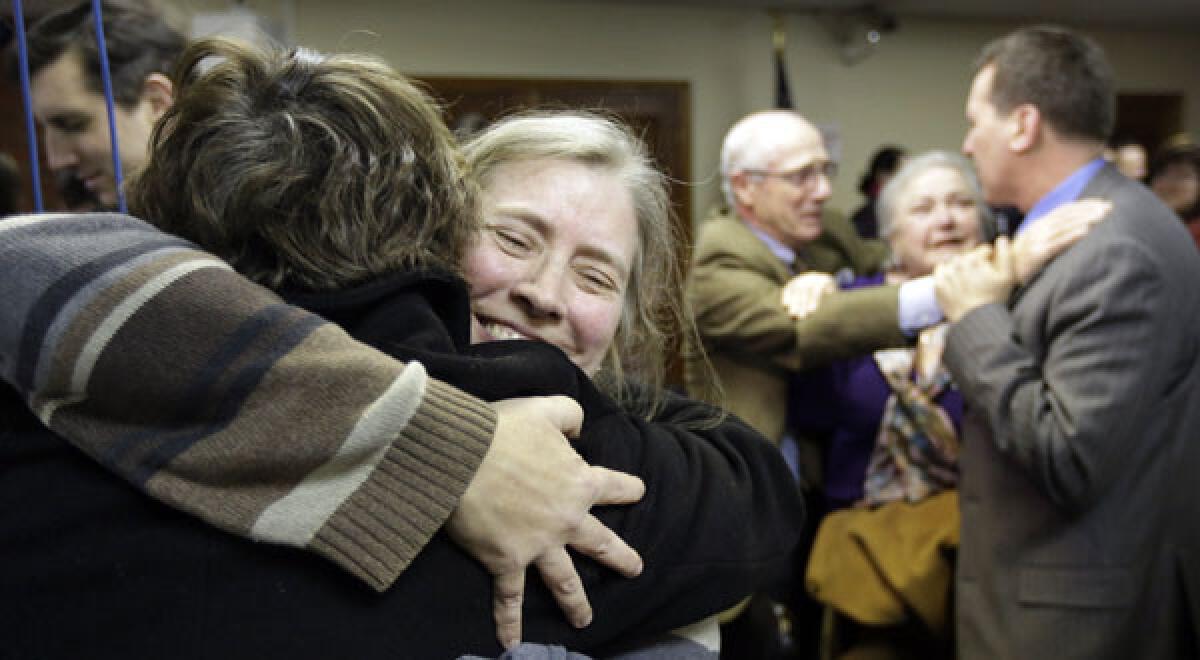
[754, 344]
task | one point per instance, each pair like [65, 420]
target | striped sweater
[260, 418]
[719, 518]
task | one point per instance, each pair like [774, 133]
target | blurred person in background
[1130, 159]
[10, 185]
[67, 91]
[883, 165]
[1175, 178]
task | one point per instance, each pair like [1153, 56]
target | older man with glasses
[776, 175]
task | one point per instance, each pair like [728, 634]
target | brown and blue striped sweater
[258, 417]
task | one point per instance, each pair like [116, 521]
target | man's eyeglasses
[801, 177]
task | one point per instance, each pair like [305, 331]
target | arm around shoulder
[1061, 404]
[199, 387]
[847, 324]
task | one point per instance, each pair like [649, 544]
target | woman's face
[936, 218]
[554, 257]
[1178, 185]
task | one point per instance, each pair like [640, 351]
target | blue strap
[102, 49]
[23, 58]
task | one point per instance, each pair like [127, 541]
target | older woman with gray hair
[932, 210]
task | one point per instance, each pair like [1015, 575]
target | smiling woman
[892, 420]
[332, 180]
[554, 257]
[931, 211]
[577, 248]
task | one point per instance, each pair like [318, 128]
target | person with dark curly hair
[883, 165]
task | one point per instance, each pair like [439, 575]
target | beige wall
[910, 92]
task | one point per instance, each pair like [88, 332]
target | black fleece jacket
[92, 566]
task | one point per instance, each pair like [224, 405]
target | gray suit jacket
[1084, 413]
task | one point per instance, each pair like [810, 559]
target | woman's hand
[530, 499]
[1053, 233]
[802, 295]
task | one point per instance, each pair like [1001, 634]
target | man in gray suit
[1083, 384]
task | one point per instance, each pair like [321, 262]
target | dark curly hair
[885, 162]
[305, 171]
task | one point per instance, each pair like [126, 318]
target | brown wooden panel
[658, 111]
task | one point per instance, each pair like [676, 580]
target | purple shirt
[845, 402]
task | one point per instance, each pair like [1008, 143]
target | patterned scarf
[916, 453]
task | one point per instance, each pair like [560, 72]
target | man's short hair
[140, 39]
[1063, 73]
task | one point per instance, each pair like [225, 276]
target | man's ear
[1025, 124]
[158, 93]
[743, 192]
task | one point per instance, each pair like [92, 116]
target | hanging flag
[783, 91]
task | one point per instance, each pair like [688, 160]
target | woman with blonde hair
[528, 160]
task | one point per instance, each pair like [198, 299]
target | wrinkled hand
[1053, 233]
[983, 275]
[802, 295]
[530, 498]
